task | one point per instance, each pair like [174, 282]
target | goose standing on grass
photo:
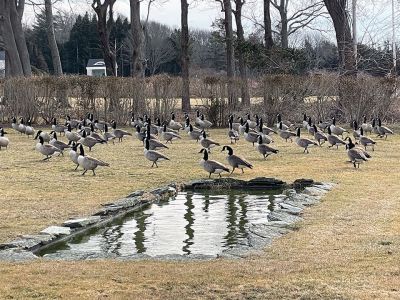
[232, 133]
[206, 142]
[211, 166]
[356, 155]
[56, 143]
[168, 136]
[139, 134]
[14, 124]
[57, 127]
[383, 130]
[235, 125]
[334, 140]
[89, 141]
[119, 133]
[305, 122]
[242, 126]
[153, 155]
[205, 123]
[194, 134]
[285, 125]
[252, 124]
[319, 136]
[365, 141]
[367, 127]
[72, 136]
[153, 143]
[265, 129]
[73, 122]
[250, 137]
[236, 161]
[265, 150]
[29, 129]
[323, 125]
[310, 127]
[46, 149]
[89, 163]
[285, 134]
[21, 126]
[265, 137]
[83, 127]
[45, 136]
[3, 140]
[356, 131]
[173, 124]
[108, 136]
[303, 142]
[95, 135]
[73, 154]
[98, 125]
[337, 130]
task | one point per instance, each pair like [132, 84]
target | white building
[96, 67]
[2, 64]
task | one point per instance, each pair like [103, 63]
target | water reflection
[191, 223]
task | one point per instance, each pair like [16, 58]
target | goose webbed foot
[94, 174]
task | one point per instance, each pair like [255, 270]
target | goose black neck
[81, 151]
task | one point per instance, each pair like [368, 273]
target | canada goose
[14, 124]
[356, 131]
[83, 127]
[139, 134]
[201, 122]
[355, 155]
[72, 136]
[265, 137]
[285, 125]
[337, 130]
[251, 123]
[305, 122]
[96, 135]
[173, 124]
[3, 140]
[206, 142]
[367, 127]
[46, 149]
[303, 142]
[242, 126]
[153, 143]
[375, 129]
[60, 145]
[265, 129]
[309, 127]
[319, 136]
[285, 134]
[365, 141]
[45, 136]
[119, 133]
[250, 137]
[29, 129]
[136, 122]
[168, 136]
[235, 126]
[323, 125]
[153, 155]
[236, 161]
[21, 126]
[334, 140]
[383, 130]
[194, 134]
[89, 163]
[57, 127]
[89, 118]
[73, 122]
[211, 166]
[265, 150]
[232, 133]
[89, 141]
[108, 136]
[73, 154]
[98, 125]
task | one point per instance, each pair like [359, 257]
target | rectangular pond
[192, 223]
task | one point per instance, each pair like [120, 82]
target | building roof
[2, 55]
[95, 63]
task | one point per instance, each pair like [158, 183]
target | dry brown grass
[336, 254]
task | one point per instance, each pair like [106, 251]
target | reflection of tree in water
[111, 242]
[189, 226]
[139, 236]
[243, 215]
[206, 203]
[231, 219]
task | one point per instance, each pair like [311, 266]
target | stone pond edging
[290, 206]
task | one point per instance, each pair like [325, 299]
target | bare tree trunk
[55, 55]
[337, 11]
[244, 85]
[283, 14]
[269, 42]
[230, 63]
[104, 26]
[137, 39]
[16, 12]
[185, 56]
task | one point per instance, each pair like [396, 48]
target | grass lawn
[347, 247]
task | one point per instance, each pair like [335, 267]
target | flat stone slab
[57, 230]
[83, 222]
[16, 255]
[29, 241]
[291, 209]
[314, 191]
[283, 216]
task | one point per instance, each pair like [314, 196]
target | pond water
[205, 223]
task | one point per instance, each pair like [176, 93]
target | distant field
[346, 248]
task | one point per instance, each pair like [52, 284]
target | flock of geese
[155, 137]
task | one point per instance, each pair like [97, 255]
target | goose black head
[165, 128]
[14, 120]
[230, 124]
[350, 145]
[256, 116]
[172, 116]
[69, 128]
[54, 135]
[197, 113]
[334, 121]
[247, 128]
[304, 117]
[41, 140]
[329, 130]
[231, 118]
[146, 143]
[96, 121]
[68, 118]
[190, 127]
[298, 131]
[2, 131]
[230, 150]
[202, 117]
[280, 125]
[361, 131]
[355, 125]
[21, 121]
[203, 133]
[260, 125]
[379, 122]
[84, 133]
[137, 128]
[38, 134]
[91, 127]
[241, 121]
[91, 117]
[54, 121]
[248, 116]
[105, 127]
[187, 121]
[145, 117]
[279, 117]
[309, 121]
[81, 151]
[114, 124]
[205, 153]
[373, 122]
[364, 119]
[74, 146]
[259, 139]
[29, 122]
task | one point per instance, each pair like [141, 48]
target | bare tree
[104, 12]
[241, 44]
[340, 18]
[137, 39]
[185, 55]
[17, 55]
[269, 42]
[55, 54]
